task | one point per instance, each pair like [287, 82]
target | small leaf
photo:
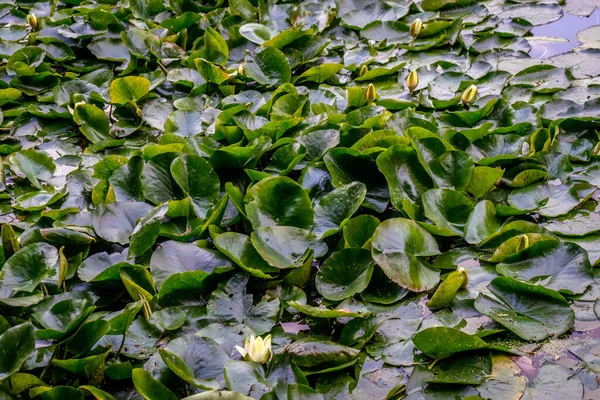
[129, 88]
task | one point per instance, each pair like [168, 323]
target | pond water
[560, 36]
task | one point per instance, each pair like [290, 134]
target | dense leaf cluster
[181, 176]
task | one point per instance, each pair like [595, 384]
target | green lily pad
[532, 312]
[397, 245]
[278, 201]
[18, 343]
[268, 66]
[345, 273]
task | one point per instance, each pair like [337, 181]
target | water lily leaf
[215, 47]
[449, 210]
[321, 312]
[239, 249]
[345, 273]
[20, 381]
[492, 148]
[542, 79]
[158, 183]
[407, 179]
[589, 37]
[256, 33]
[397, 245]
[506, 380]
[174, 257]
[219, 394]
[550, 200]
[268, 66]
[183, 123]
[434, 5]
[62, 318]
[129, 88]
[317, 143]
[347, 166]
[146, 231]
[84, 366]
[392, 31]
[536, 14]
[461, 370]
[554, 380]
[34, 164]
[17, 343]
[442, 342]
[229, 169]
[126, 180]
[320, 74]
[563, 266]
[377, 11]
[198, 180]
[25, 61]
[87, 335]
[311, 353]
[56, 393]
[197, 360]
[150, 388]
[444, 90]
[359, 230]
[574, 223]
[251, 377]
[114, 222]
[25, 269]
[230, 303]
[382, 290]
[532, 312]
[335, 209]
[92, 121]
[448, 167]
[97, 267]
[482, 222]
[8, 95]
[286, 246]
[278, 201]
[183, 288]
[419, 388]
[377, 380]
[452, 169]
[140, 340]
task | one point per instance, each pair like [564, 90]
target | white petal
[241, 350]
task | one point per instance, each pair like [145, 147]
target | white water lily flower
[256, 349]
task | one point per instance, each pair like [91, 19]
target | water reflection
[565, 29]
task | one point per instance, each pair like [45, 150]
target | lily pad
[397, 245]
[532, 312]
[345, 273]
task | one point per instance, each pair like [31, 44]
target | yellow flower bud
[469, 94]
[370, 93]
[463, 271]
[413, 80]
[363, 70]
[33, 22]
[240, 69]
[522, 243]
[72, 109]
[256, 349]
[416, 28]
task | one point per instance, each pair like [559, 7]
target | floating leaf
[532, 312]
[397, 245]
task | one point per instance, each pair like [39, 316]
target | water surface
[565, 29]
